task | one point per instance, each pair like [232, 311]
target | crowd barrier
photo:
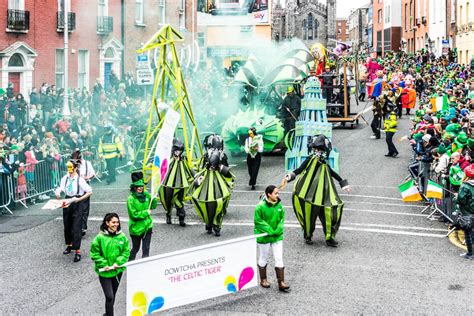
[37, 181]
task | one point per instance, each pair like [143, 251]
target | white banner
[163, 150]
[191, 275]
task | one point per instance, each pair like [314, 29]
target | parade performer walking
[109, 250]
[210, 192]
[139, 205]
[465, 203]
[253, 148]
[77, 191]
[175, 184]
[269, 218]
[390, 127]
[86, 171]
[314, 193]
[110, 148]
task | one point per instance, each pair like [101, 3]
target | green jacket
[465, 198]
[107, 250]
[140, 221]
[269, 218]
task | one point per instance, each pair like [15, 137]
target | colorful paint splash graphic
[140, 302]
[245, 277]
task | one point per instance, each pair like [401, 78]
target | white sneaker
[373, 137]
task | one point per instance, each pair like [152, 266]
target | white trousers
[264, 251]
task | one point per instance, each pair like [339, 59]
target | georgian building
[308, 20]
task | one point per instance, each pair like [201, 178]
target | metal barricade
[5, 192]
[33, 181]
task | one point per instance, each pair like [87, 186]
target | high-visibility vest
[110, 146]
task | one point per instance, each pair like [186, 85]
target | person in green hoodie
[109, 251]
[390, 127]
[269, 218]
[140, 225]
[465, 203]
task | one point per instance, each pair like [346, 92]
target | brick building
[144, 18]
[341, 29]
[415, 24]
[387, 28]
[31, 47]
[358, 27]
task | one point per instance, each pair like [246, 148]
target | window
[83, 69]
[310, 26]
[182, 14]
[406, 16]
[109, 53]
[411, 15]
[15, 61]
[59, 69]
[418, 11]
[339, 23]
[61, 5]
[103, 8]
[305, 31]
[139, 11]
[162, 11]
[16, 4]
[453, 11]
[387, 14]
[379, 16]
[201, 39]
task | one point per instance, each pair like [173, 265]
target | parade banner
[158, 283]
[163, 150]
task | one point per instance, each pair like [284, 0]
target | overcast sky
[344, 7]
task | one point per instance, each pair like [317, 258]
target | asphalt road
[391, 260]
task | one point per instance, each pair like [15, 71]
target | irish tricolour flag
[409, 192]
[434, 190]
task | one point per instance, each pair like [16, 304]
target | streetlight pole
[66, 112]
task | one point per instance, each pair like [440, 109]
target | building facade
[437, 26]
[342, 31]
[358, 27]
[451, 22]
[308, 20]
[415, 23]
[144, 18]
[464, 31]
[31, 46]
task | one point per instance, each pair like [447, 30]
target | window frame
[16, 5]
[56, 72]
[140, 5]
[86, 68]
[162, 12]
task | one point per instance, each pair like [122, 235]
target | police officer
[76, 190]
[110, 148]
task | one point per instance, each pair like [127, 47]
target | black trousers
[110, 287]
[85, 212]
[375, 125]
[253, 165]
[72, 219]
[145, 241]
[111, 165]
[391, 147]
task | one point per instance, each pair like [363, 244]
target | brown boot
[282, 286]
[263, 276]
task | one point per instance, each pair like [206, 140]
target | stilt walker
[176, 183]
[314, 192]
[211, 191]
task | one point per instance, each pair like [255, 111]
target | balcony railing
[18, 20]
[71, 21]
[105, 24]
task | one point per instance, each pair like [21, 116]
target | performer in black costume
[314, 192]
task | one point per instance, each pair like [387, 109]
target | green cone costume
[211, 191]
[176, 183]
[314, 193]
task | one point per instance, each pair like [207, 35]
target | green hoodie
[269, 218]
[108, 249]
[140, 221]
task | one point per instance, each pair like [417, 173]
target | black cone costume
[212, 188]
[176, 183]
[314, 192]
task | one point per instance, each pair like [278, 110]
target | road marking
[294, 224]
[340, 194]
[286, 206]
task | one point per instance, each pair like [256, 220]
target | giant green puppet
[175, 184]
[314, 192]
[211, 190]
